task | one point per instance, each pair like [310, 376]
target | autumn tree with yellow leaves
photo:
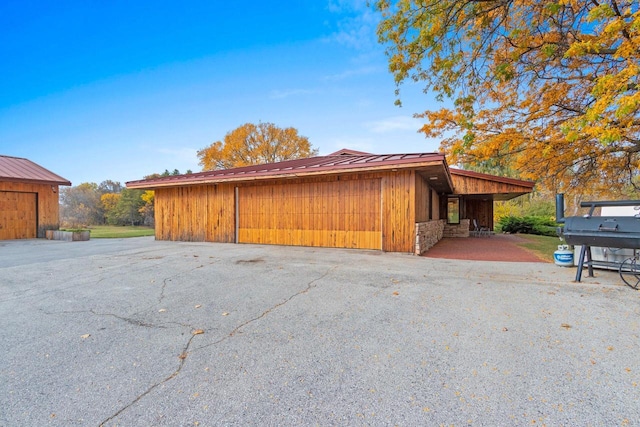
[549, 89]
[252, 144]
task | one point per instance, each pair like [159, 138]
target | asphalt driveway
[139, 332]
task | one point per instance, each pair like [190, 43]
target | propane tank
[563, 256]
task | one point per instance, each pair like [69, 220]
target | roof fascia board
[33, 181]
[301, 174]
[494, 178]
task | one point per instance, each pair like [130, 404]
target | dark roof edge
[62, 181]
[14, 157]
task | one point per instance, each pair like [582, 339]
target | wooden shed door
[339, 214]
[18, 219]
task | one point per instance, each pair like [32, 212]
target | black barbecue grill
[605, 231]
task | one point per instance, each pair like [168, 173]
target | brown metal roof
[319, 165]
[18, 169]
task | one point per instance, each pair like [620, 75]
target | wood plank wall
[18, 215]
[374, 210]
[196, 213]
[422, 199]
[343, 214]
[435, 205]
[481, 210]
[48, 208]
[399, 215]
[470, 185]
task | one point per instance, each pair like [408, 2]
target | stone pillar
[428, 234]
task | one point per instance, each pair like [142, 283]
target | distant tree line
[108, 203]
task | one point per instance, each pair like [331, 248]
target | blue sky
[96, 90]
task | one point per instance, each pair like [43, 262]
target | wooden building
[348, 199]
[29, 203]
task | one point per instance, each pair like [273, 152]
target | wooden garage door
[342, 214]
[17, 215]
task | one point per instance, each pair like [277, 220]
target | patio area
[499, 247]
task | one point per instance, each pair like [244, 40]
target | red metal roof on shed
[306, 166]
[24, 170]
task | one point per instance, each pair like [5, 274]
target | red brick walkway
[500, 247]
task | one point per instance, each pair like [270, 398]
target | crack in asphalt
[165, 282]
[170, 278]
[310, 285]
[130, 320]
[185, 351]
[164, 286]
[182, 357]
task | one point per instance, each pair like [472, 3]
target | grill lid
[618, 231]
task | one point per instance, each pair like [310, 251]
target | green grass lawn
[117, 231]
[542, 246]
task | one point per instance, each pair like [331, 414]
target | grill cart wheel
[630, 272]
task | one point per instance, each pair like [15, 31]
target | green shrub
[540, 225]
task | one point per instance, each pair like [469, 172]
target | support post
[237, 203]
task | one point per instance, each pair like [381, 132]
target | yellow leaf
[198, 332]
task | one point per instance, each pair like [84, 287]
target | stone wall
[457, 230]
[428, 234]
[68, 236]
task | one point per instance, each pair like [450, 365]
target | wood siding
[33, 200]
[435, 205]
[481, 210]
[399, 214]
[422, 199]
[343, 214]
[18, 215]
[367, 211]
[198, 213]
[471, 185]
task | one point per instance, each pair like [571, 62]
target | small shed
[29, 202]
[347, 199]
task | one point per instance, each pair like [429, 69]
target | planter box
[68, 236]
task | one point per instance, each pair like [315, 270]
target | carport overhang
[480, 186]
